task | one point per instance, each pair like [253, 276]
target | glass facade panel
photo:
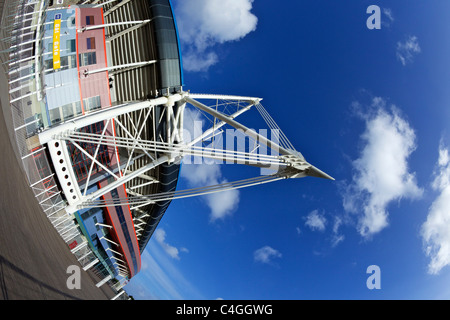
[68, 62]
[90, 43]
[55, 116]
[92, 103]
[161, 10]
[78, 109]
[67, 111]
[170, 76]
[170, 73]
[48, 64]
[164, 23]
[88, 58]
[90, 20]
[161, 2]
[71, 45]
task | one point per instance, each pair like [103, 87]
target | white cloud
[202, 174]
[205, 23]
[436, 230]
[266, 254]
[194, 60]
[336, 237]
[381, 171]
[407, 49]
[389, 17]
[315, 221]
[160, 237]
[221, 204]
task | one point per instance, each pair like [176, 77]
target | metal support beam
[254, 100]
[117, 6]
[90, 265]
[116, 244]
[101, 115]
[98, 285]
[304, 167]
[103, 3]
[114, 257]
[118, 295]
[99, 26]
[122, 66]
[114, 251]
[238, 126]
[113, 185]
[127, 30]
[103, 225]
[217, 126]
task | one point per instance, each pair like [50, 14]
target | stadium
[97, 100]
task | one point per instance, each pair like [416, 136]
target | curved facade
[70, 62]
[160, 43]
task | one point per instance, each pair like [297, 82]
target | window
[71, 22]
[95, 222]
[90, 43]
[72, 61]
[69, 62]
[92, 103]
[71, 45]
[78, 109]
[48, 64]
[89, 20]
[67, 111]
[88, 58]
[54, 115]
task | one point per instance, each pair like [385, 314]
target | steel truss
[284, 158]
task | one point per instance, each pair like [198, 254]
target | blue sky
[369, 107]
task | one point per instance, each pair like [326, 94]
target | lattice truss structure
[139, 152]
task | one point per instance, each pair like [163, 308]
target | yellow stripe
[56, 44]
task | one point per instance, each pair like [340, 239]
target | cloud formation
[407, 49]
[387, 13]
[316, 221]
[337, 237]
[436, 229]
[160, 237]
[381, 173]
[266, 254]
[206, 23]
[221, 204]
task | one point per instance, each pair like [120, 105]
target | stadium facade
[72, 59]
[96, 94]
